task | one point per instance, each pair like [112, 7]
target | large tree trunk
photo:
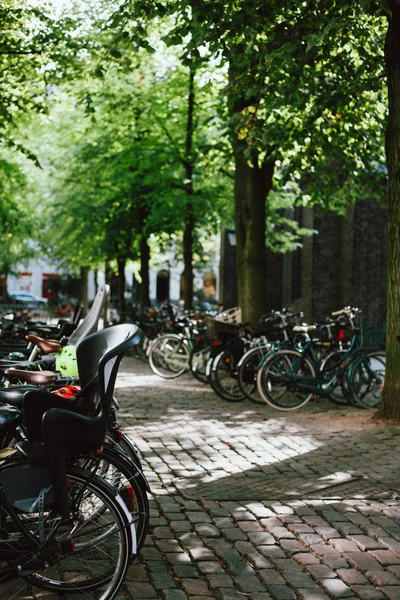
[144, 291]
[252, 185]
[390, 407]
[121, 262]
[84, 272]
[189, 217]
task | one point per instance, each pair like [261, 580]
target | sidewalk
[253, 503]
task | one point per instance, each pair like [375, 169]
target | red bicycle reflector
[128, 497]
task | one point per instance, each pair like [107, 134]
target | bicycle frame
[320, 384]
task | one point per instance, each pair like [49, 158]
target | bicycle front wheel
[88, 556]
[281, 377]
[366, 379]
[169, 356]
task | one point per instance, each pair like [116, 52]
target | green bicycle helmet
[66, 362]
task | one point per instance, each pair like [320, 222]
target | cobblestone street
[252, 503]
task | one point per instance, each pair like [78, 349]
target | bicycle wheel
[198, 363]
[169, 356]
[247, 373]
[224, 377]
[276, 380]
[123, 475]
[341, 393]
[366, 379]
[88, 556]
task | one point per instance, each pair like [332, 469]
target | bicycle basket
[231, 315]
[221, 330]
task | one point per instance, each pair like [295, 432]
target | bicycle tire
[247, 373]
[341, 394]
[274, 385]
[366, 379]
[169, 356]
[102, 543]
[198, 363]
[223, 377]
[124, 476]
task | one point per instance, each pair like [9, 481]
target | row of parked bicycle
[282, 362]
[74, 510]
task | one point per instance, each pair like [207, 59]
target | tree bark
[144, 291]
[390, 406]
[252, 185]
[189, 217]
[84, 272]
[121, 262]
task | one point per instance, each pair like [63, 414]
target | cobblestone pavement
[252, 503]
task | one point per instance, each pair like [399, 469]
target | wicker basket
[221, 330]
[231, 315]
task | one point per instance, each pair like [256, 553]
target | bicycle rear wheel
[224, 377]
[169, 356]
[366, 379]
[276, 380]
[247, 373]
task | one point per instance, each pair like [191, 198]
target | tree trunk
[121, 262]
[107, 278]
[390, 407]
[84, 272]
[189, 217]
[252, 185]
[144, 291]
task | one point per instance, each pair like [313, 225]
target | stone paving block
[311, 594]
[180, 526]
[198, 517]
[174, 595]
[363, 561]
[260, 538]
[186, 571]
[310, 539]
[190, 540]
[223, 522]
[346, 545]
[249, 526]
[320, 572]
[291, 546]
[365, 542]
[216, 581]
[249, 584]
[327, 533]
[271, 577]
[299, 580]
[178, 558]
[287, 564]
[352, 576]
[195, 587]
[305, 559]
[299, 527]
[136, 573]
[162, 581]
[367, 592]
[209, 567]
[281, 592]
[168, 546]
[207, 530]
[260, 596]
[271, 552]
[336, 588]
[233, 534]
[142, 590]
[229, 594]
[347, 528]
[391, 592]
[381, 578]
[385, 557]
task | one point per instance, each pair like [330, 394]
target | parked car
[29, 300]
